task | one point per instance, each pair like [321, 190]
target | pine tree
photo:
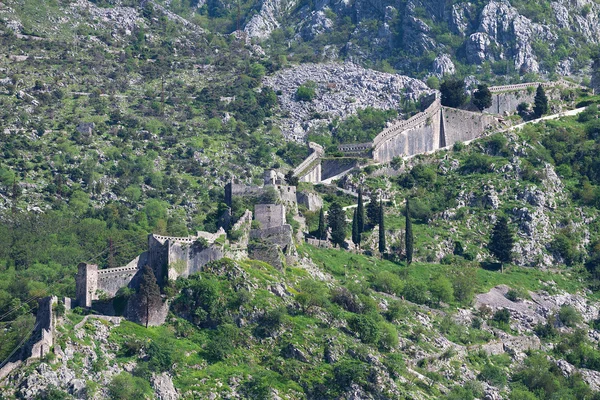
[360, 213]
[482, 97]
[501, 242]
[355, 231]
[381, 229]
[409, 235]
[337, 221]
[321, 231]
[149, 291]
[540, 102]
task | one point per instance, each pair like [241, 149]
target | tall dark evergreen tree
[373, 212]
[381, 229]
[322, 230]
[540, 106]
[409, 240]
[355, 230]
[149, 292]
[337, 222]
[482, 97]
[453, 92]
[501, 242]
[360, 213]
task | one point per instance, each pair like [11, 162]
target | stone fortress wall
[435, 128]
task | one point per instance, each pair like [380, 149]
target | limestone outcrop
[341, 89]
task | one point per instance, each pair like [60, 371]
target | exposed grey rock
[460, 15]
[266, 21]
[443, 65]
[317, 25]
[163, 386]
[292, 351]
[341, 90]
[478, 48]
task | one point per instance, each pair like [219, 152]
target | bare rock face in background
[341, 89]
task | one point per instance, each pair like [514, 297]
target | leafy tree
[501, 241]
[149, 291]
[291, 179]
[409, 239]
[453, 92]
[321, 231]
[356, 235]
[441, 290]
[381, 229]
[311, 294]
[482, 97]
[336, 219]
[360, 213]
[540, 101]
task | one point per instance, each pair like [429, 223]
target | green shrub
[160, 356]
[347, 372]
[569, 316]
[306, 91]
[222, 342]
[388, 282]
[493, 375]
[415, 292]
[125, 387]
[366, 327]
[513, 295]
[502, 316]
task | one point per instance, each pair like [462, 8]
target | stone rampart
[235, 189]
[313, 175]
[273, 245]
[419, 134]
[269, 215]
[415, 121]
[433, 128]
[86, 284]
[312, 201]
[462, 126]
[185, 259]
[110, 280]
[317, 152]
[42, 339]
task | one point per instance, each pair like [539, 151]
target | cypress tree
[373, 212]
[409, 235]
[501, 242]
[360, 213]
[355, 231]
[337, 221]
[381, 230]
[149, 291]
[540, 106]
[321, 232]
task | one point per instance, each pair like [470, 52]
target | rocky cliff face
[439, 33]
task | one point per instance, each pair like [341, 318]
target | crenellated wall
[437, 127]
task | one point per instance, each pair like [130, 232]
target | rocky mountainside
[121, 118]
[420, 36]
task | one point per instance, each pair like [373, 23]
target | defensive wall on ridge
[435, 128]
